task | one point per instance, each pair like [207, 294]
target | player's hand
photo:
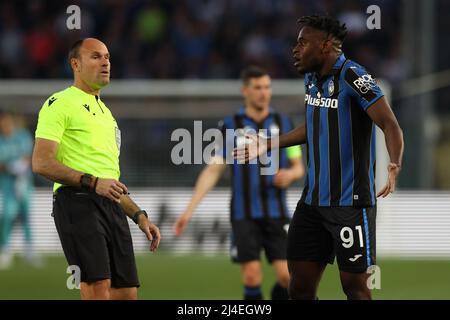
[393, 171]
[283, 178]
[181, 223]
[111, 189]
[253, 147]
[151, 231]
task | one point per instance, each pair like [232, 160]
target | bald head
[89, 59]
[74, 51]
[93, 44]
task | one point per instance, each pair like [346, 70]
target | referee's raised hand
[111, 189]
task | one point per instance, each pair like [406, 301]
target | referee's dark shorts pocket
[76, 210]
[83, 243]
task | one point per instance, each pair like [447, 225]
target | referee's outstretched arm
[207, 179]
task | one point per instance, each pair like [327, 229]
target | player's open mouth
[105, 72]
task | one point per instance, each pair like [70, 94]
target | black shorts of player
[323, 233]
[95, 236]
[249, 237]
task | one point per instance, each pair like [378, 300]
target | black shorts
[323, 233]
[95, 236]
[249, 237]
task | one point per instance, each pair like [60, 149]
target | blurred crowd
[187, 38]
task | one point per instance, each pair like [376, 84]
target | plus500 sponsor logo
[321, 102]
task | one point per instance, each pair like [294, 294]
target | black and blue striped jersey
[254, 196]
[340, 136]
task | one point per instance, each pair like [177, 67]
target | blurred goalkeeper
[77, 146]
[16, 184]
[258, 212]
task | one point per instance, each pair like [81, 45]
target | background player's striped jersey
[253, 195]
[340, 136]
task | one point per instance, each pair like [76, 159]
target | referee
[77, 146]
[258, 212]
[336, 215]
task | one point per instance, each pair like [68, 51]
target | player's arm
[207, 179]
[380, 112]
[371, 98]
[259, 145]
[135, 213]
[294, 137]
[285, 177]
[44, 163]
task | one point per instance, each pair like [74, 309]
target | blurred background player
[258, 213]
[16, 185]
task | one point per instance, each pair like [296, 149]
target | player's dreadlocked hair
[327, 24]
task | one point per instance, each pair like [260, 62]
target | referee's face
[309, 50]
[257, 92]
[94, 68]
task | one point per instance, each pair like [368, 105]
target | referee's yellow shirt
[87, 133]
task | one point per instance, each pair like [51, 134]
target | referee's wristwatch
[137, 214]
[85, 181]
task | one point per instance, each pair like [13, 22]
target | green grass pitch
[165, 276]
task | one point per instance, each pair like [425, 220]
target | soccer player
[16, 185]
[258, 209]
[77, 146]
[336, 213]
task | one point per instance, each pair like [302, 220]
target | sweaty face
[257, 92]
[93, 64]
[308, 52]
